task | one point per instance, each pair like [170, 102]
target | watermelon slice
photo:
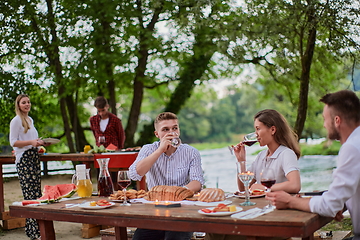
[66, 190]
[55, 193]
[28, 202]
[111, 148]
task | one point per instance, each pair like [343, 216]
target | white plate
[51, 140]
[212, 204]
[251, 196]
[87, 206]
[219, 214]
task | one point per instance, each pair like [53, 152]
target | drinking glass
[245, 177]
[249, 140]
[268, 180]
[176, 141]
[123, 182]
[101, 140]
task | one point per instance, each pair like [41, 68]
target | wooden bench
[336, 235]
[109, 234]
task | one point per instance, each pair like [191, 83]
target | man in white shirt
[342, 121]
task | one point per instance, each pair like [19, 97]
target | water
[220, 169]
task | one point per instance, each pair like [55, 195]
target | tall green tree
[287, 38]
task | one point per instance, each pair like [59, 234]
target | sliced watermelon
[111, 148]
[55, 193]
[66, 190]
[28, 202]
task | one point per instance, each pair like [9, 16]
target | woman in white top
[281, 155]
[24, 139]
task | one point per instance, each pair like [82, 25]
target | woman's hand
[240, 152]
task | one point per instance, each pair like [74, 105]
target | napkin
[253, 213]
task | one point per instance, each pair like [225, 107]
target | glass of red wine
[101, 140]
[268, 179]
[249, 140]
[124, 181]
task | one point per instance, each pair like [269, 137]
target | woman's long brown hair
[284, 135]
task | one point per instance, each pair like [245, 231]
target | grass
[344, 225]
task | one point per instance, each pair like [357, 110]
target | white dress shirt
[345, 187]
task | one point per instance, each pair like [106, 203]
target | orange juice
[84, 188]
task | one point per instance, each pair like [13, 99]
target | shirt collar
[277, 152]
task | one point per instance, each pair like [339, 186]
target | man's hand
[339, 216]
[283, 200]
[165, 142]
[280, 199]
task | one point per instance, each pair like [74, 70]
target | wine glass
[249, 140]
[245, 177]
[176, 141]
[101, 140]
[268, 179]
[123, 182]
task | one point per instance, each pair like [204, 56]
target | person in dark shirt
[106, 127]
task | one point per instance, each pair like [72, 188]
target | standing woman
[24, 139]
[282, 152]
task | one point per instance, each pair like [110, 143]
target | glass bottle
[105, 184]
[87, 148]
[82, 181]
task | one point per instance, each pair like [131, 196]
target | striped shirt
[178, 169]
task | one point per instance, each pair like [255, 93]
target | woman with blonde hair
[25, 141]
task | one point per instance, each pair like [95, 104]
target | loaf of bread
[212, 195]
[168, 193]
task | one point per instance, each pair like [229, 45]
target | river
[220, 169]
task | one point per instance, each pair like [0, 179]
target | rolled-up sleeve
[196, 172]
[145, 151]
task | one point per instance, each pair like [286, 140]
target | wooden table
[87, 159]
[279, 223]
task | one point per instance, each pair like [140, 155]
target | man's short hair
[100, 102]
[345, 104]
[164, 116]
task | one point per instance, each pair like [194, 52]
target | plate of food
[51, 140]
[95, 205]
[255, 193]
[212, 204]
[220, 210]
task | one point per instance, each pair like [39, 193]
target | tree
[299, 34]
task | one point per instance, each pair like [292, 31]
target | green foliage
[324, 148]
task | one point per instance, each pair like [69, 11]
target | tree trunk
[52, 51]
[306, 61]
[193, 70]
[138, 87]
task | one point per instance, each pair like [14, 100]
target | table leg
[46, 229]
[311, 237]
[2, 205]
[120, 233]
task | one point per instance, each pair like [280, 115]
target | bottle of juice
[87, 148]
[82, 180]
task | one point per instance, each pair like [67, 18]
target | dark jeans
[147, 234]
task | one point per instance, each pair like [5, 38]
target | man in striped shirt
[166, 164]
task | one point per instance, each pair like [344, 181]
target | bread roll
[212, 195]
[168, 193]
